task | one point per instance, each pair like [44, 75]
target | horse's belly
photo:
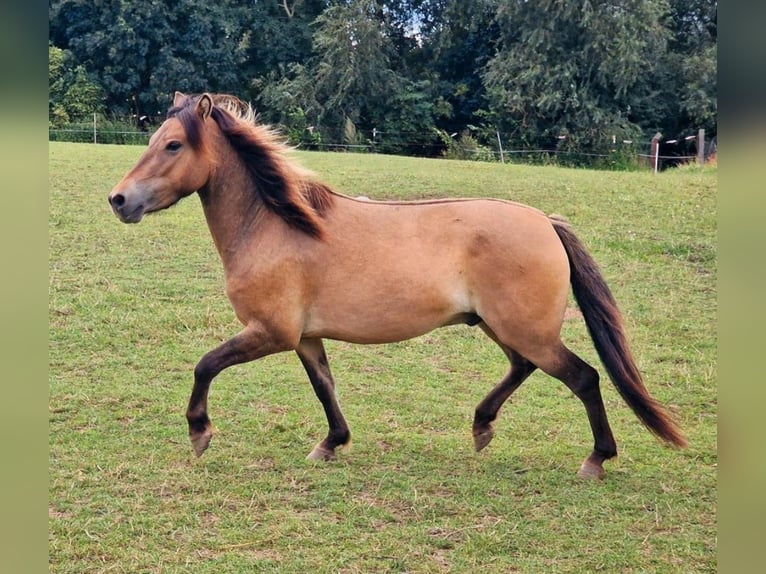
[371, 331]
[387, 317]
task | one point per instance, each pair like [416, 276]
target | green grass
[132, 309]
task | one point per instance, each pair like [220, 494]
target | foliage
[276, 36]
[140, 51]
[352, 70]
[690, 66]
[72, 95]
[459, 39]
[409, 122]
[465, 146]
[576, 75]
[351, 136]
[585, 69]
[298, 132]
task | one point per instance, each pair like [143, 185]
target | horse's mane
[286, 188]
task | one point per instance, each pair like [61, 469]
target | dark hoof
[201, 440]
[483, 438]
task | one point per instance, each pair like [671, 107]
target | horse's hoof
[591, 471]
[482, 439]
[200, 441]
[321, 453]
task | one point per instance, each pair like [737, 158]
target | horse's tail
[604, 323]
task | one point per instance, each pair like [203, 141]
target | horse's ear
[204, 106]
[178, 99]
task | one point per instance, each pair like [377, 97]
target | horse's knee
[204, 370]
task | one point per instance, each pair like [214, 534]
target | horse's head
[172, 167]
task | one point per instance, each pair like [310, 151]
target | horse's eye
[174, 145]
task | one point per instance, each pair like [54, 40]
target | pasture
[133, 308]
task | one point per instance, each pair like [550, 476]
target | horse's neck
[232, 208]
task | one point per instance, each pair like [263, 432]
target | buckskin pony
[303, 262]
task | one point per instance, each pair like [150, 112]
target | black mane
[284, 188]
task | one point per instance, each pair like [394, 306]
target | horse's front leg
[248, 345]
[314, 359]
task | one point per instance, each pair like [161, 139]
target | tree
[71, 94]
[115, 41]
[277, 35]
[573, 69]
[351, 71]
[587, 70]
[458, 40]
[140, 51]
[690, 79]
[288, 97]
[347, 78]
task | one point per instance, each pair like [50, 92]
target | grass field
[132, 309]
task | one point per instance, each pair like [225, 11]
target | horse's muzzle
[127, 211]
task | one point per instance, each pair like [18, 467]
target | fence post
[500, 145]
[655, 153]
[701, 146]
[95, 137]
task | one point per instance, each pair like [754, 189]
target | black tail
[604, 323]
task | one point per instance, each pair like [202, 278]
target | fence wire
[622, 155]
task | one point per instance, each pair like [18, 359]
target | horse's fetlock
[338, 437]
[606, 453]
[483, 420]
[198, 422]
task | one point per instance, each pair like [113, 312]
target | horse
[303, 262]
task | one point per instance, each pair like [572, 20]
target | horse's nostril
[117, 200]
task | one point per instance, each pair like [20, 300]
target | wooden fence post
[500, 145]
[701, 147]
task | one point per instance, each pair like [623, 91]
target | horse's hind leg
[312, 355]
[583, 381]
[488, 408]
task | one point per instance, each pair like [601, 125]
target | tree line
[403, 76]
